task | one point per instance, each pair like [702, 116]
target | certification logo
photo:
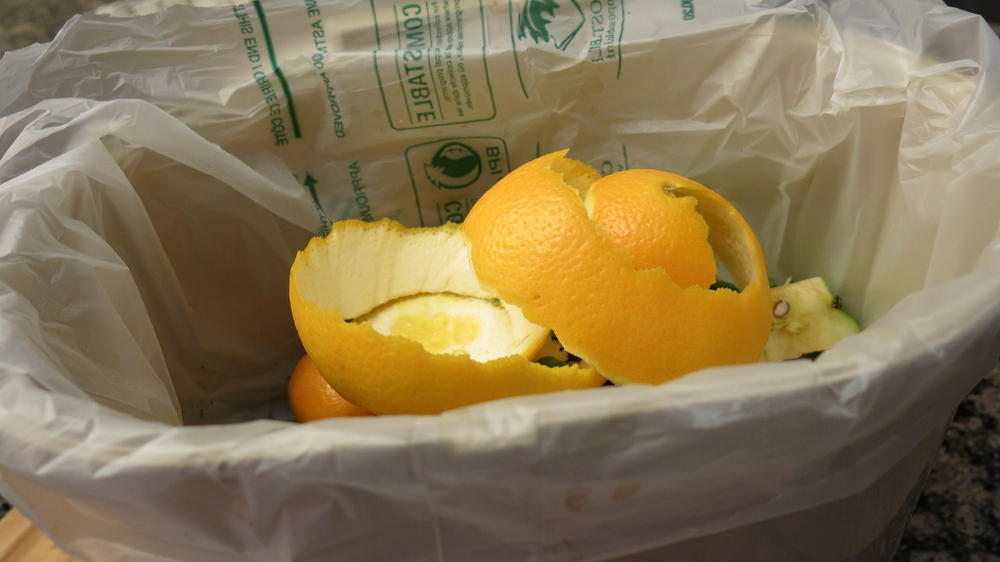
[455, 165]
[548, 21]
[450, 175]
[545, 32]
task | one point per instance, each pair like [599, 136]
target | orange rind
[656, 227]
[312, 398]
[621, 268]
[533, 241]
[417, 286]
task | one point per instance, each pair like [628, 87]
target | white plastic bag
[159, 173]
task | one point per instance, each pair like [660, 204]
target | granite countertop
[957, 517]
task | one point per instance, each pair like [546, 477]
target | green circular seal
[455, 165]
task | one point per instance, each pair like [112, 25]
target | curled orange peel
[534, 243]
[360, 266]
[656, 228]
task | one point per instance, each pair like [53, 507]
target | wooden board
[20, 541]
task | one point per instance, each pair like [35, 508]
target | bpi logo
[455, 165]
[549, 21]
[449, 175]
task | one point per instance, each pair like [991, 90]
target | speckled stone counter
[23, 22]
[958, 515]
[957, 518]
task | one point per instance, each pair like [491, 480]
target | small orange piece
[312, 398]
[533, 242]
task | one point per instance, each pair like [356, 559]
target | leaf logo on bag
[562, 25]
[455, 165]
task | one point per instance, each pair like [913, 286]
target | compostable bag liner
[158, 174]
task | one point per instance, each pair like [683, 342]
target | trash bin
[158, 174]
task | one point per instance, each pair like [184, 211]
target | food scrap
[558, 279]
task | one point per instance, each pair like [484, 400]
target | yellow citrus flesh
[448, 323]
[656, 228]
[533, 242]
[417, 286]
[427, 321]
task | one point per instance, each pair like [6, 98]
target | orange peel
[360, 267]
[656, 228]
[534, 243]
[312, 398]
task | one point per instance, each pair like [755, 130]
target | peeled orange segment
[533, 242]
[654, 225]
[419, 285]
